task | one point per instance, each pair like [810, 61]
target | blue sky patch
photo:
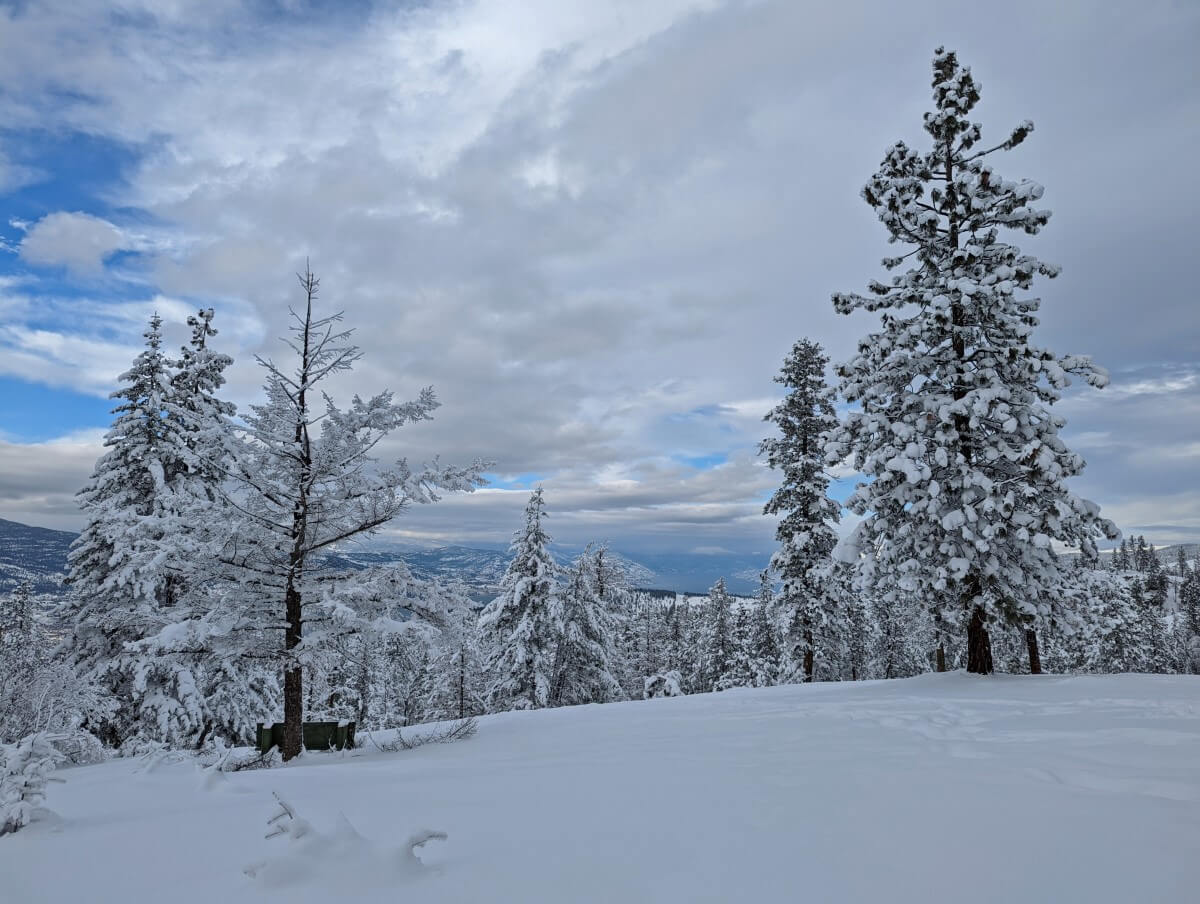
[30, 412]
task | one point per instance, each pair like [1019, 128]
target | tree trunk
[1035, 657]
[979, 645]
[808, 655]
[941, 657]
[293, 680]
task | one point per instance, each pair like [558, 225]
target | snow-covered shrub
[342, 851]
[665, 684]
[28, 765]
[79, 747]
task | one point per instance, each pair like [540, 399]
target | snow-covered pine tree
[859, 640]
[25, 768]
[582, 670]
[456, 671]
[623, 612]
[195, 430]
[300, 477]
[966, 470]
[762, 649]
[522, 623]
[121, 566]
[237, 692]
[805, 532]
[398, 680]
[19, 658]
[1189, 601]
[1188, 620]
[16, 622]
[39, 691]
[717, 658]
[675, 653]
[901, 639]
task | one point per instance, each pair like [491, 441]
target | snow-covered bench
[315, 735]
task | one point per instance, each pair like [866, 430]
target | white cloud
[16, 175]
[38, 480]
[581, 221]
[78, 241]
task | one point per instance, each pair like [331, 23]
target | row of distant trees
[602, 641]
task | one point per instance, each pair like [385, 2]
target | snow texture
[1088, 789]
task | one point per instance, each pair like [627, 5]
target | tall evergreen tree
[762, 644]
[582, 670]
[302, 477]
[966, 470]
[123, 565]
[456, 670]
[716, 662]
[805, 532]
[522, 623]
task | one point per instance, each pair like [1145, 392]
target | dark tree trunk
[979, 645]
[204, 735]
[941, 657]
[808, 655]
[1035, 656]
[293, 680]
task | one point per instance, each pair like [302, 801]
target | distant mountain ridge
[34, 554]
[39, 555]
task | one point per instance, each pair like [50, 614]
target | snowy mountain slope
[481, 568]
[1030, 789]
[34, 554]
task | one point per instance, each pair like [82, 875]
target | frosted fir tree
[301, 477]
[522, 623]
[805, 532]
[859, 640]
[456, 670]
[194, 436]
[582, 669]
[675, 641]
[17, 623]
[196, 439]
[901, 640]
[762, 647]
[966, 471]
[626, 616]
[717, 661]
[123, 566]
[20, 658]
[25, 769]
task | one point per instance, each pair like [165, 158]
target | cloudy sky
[594, 226]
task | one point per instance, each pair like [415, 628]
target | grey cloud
[623, 215]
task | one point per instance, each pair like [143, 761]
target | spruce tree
[716, 663]
[25, 770]
[124, 564]
[763, 646]
[522, 623]
[456, 670]
[582, 670]
[805, 532]
[966, 471]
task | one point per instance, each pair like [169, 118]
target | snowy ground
[1029, 789]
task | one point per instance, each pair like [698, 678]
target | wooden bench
[315, 736]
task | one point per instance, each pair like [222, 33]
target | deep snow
[1030, 789]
